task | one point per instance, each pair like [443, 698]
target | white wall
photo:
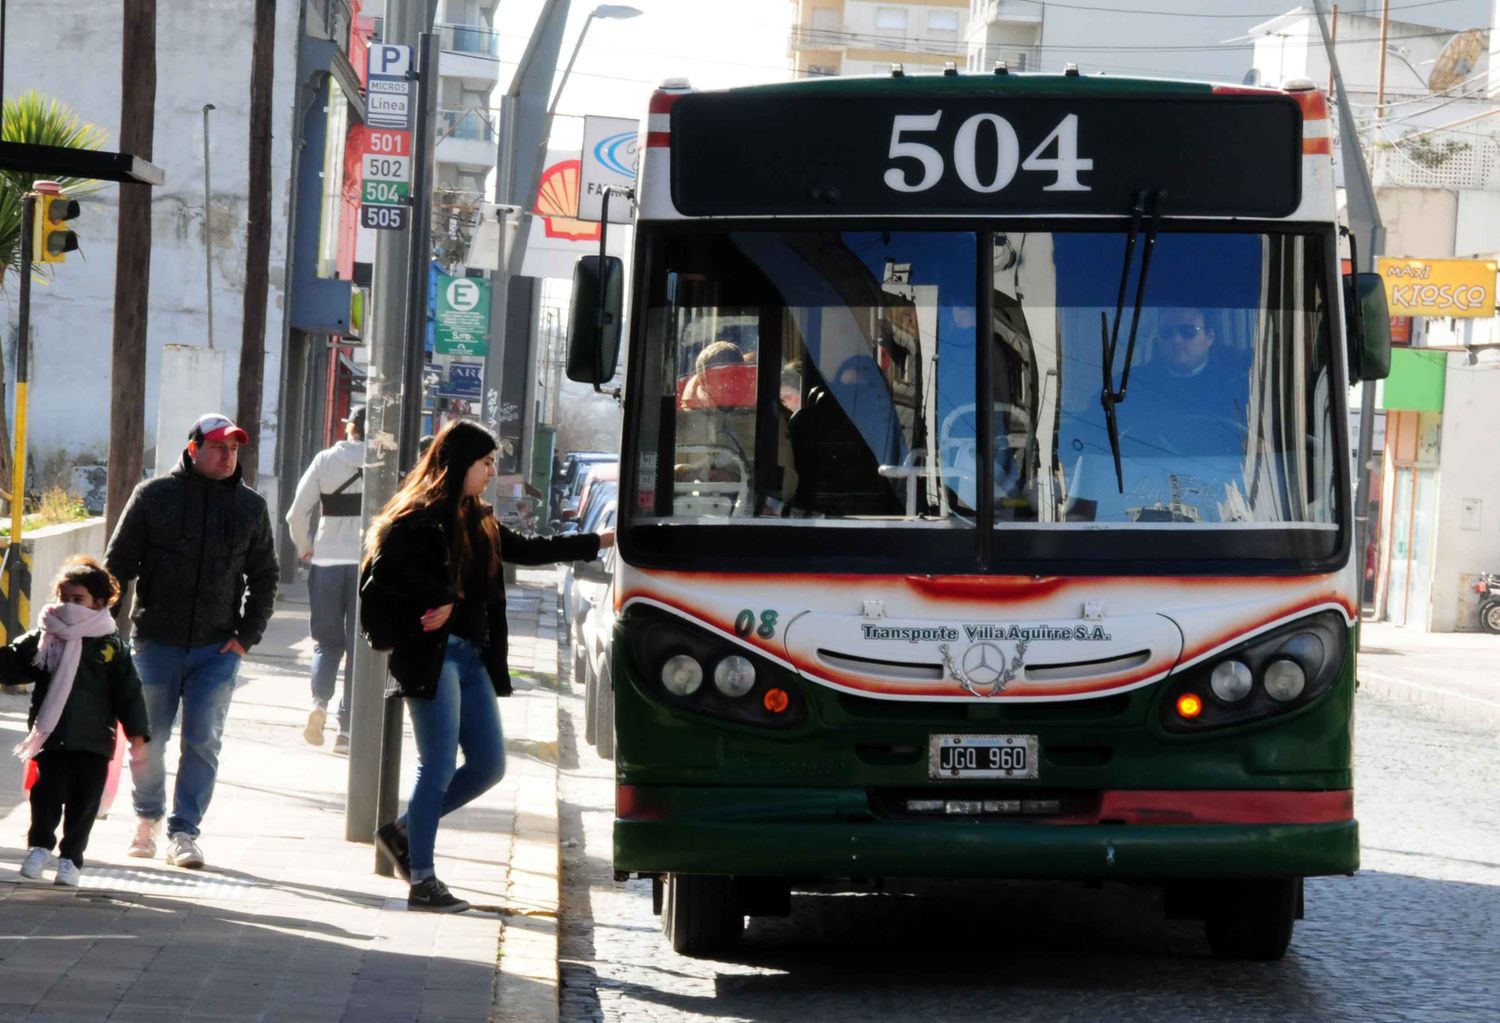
[1419, 222]
[1467, 470]
[203, 56]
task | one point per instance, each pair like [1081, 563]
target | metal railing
[474, 123]
[476, 39]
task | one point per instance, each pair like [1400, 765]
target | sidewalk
[289, 921]
[1453, 673]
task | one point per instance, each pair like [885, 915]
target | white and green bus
[985, 505]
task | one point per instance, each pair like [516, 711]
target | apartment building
[855, 37]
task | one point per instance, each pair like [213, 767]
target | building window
[890, 19]
[943, 23]
[826, 18]
[821, 71]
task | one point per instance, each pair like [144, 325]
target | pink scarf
[64, 628]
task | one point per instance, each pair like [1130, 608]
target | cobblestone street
[1414, 936]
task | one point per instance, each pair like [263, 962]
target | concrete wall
[50, 547]
[1468, 519]
[1478, 231]
[203, 56]
[1419, 222]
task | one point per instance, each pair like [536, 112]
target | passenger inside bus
[841, 437]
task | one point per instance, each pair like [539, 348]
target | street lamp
[616, 11]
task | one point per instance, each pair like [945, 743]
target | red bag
[31, 775]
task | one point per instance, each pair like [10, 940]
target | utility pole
[127, 380]
[208, 231]
[257, 237]
[375, 722]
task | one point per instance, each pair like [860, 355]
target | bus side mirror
[594, 324]
[1369, 327]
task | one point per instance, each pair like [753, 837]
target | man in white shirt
[333, 485]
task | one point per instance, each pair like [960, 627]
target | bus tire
[590, 697]
[702, 914]
[1253, 918]
[604, 712]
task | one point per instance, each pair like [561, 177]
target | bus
[985, 504]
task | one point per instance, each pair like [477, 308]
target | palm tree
[39, 120]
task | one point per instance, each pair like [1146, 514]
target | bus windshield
[836, 377]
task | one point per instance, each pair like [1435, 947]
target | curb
[1455, 706]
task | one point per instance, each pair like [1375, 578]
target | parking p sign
[463, 316]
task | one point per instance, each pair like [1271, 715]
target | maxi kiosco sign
[385, 198]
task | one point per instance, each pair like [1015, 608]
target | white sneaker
[67, 873]
[35, 860]
[143, 845]
[316, 719]
[182, 851]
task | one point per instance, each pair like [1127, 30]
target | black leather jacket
[412, 572]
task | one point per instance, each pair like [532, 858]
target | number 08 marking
[1066, 164]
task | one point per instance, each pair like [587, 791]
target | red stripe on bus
[1317, 147]
[661, 101]
[658, 139]
[1227, 807]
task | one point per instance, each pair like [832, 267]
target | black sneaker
[432, 896]
[391, 840]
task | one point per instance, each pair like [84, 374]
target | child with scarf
[85, 683]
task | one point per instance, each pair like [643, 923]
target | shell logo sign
[557, 204]
[1439, 287]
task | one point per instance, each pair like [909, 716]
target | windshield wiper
[1109, 337]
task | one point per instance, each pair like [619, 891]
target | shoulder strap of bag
[347, 483]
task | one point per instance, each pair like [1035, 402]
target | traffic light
[51, 241]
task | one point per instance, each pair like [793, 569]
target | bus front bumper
[827, 834]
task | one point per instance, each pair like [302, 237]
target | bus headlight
[1280, 671]
[681, 675]
[734, 676]
[1231, 681]
[1285, 680]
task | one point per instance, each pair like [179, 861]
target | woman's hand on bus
[606, 539]
[436, 618]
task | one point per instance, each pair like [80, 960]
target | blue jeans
[331, 593]
[462, 715]
[201, 681]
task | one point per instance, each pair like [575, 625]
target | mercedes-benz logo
[984, 664]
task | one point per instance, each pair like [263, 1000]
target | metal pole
[208, 233]
[13, 554]
[1333, 41]
[405, 21]
[423, 144]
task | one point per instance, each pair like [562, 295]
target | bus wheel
[590, 697]
[604, 712]
[702, 914]
[1252, 919]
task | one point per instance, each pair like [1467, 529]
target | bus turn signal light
[1189, 705]
[776, 700]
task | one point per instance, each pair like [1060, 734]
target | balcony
[944, 44]
[467, 137]
[990, 12]
[476, 39]
[330, 20]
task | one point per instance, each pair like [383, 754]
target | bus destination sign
[748, 155]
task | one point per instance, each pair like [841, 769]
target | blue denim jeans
[200, 680]
[462, 715]
[331, 592]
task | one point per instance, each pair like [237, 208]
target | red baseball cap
[216, 426]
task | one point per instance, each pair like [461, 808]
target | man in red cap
[199, 544]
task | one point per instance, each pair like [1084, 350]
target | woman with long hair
[433, 593]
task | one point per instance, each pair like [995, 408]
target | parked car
[576, 512]
[596, 629]
[566, 498]
[599, 515]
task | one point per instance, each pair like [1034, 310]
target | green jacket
[105, 690]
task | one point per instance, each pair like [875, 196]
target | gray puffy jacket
[203, 555]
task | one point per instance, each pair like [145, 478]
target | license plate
[982, 756]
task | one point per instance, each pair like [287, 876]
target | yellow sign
[1438, 287]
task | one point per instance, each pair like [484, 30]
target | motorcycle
[1488, 588]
